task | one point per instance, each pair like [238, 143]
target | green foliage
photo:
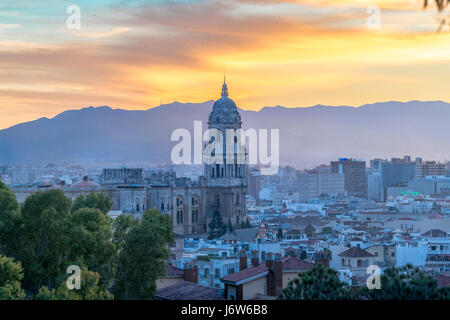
[280, 234]
[89, 290]
[94, 200]
[49, 237]
[230, 226]
[121, 226]
[10, 276]
[9, 213]
[92, 232]
[317, 284]
[246, 224]
[216, 227]
[44, 238]
[142, 256]
[309, 230]
[405, 283]
[303, 255]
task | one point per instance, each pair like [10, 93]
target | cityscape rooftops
[355, 252]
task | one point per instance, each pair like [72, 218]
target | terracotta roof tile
[185, 290]
[355, 252]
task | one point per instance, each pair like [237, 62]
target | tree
[49, 237]
[93, 247]
[11, 274]
[121, 226]
[216, 227]
[230, 226]
[309, 231]
[280, 234]
[440, 5]
[303, 255]
[93, 200]
[89, 290]
[317, 284]
[405, 283]
[9, 214]
[142, 257]
[44, 241]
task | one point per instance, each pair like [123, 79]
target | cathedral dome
[224, 109]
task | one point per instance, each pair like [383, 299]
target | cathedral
[222, 187]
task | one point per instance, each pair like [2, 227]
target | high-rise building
[395, 173]
[319, 182]
[354, 172]
[374, 186]
[430, 168]
[254, 182]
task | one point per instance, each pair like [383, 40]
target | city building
[430, 168]
[354, 172]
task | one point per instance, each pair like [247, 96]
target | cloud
[294, 53]
[9, 26]
[102, 34]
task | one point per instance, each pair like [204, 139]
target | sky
[133, 54]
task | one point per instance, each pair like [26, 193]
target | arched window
[179, 202]
[138, 202]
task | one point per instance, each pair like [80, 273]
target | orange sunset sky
[295, 53]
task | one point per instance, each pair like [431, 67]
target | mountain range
[308, 135]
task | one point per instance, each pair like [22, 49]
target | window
[194, 215]
[206, 273]
[217, 273]
[179, 201]
[162, 206]
[392, 254]
[376, 254]
[179, 216]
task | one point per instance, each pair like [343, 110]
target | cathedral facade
[222, 187]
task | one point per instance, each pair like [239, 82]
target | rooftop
[185, 290]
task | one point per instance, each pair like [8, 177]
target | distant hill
[308, 136]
